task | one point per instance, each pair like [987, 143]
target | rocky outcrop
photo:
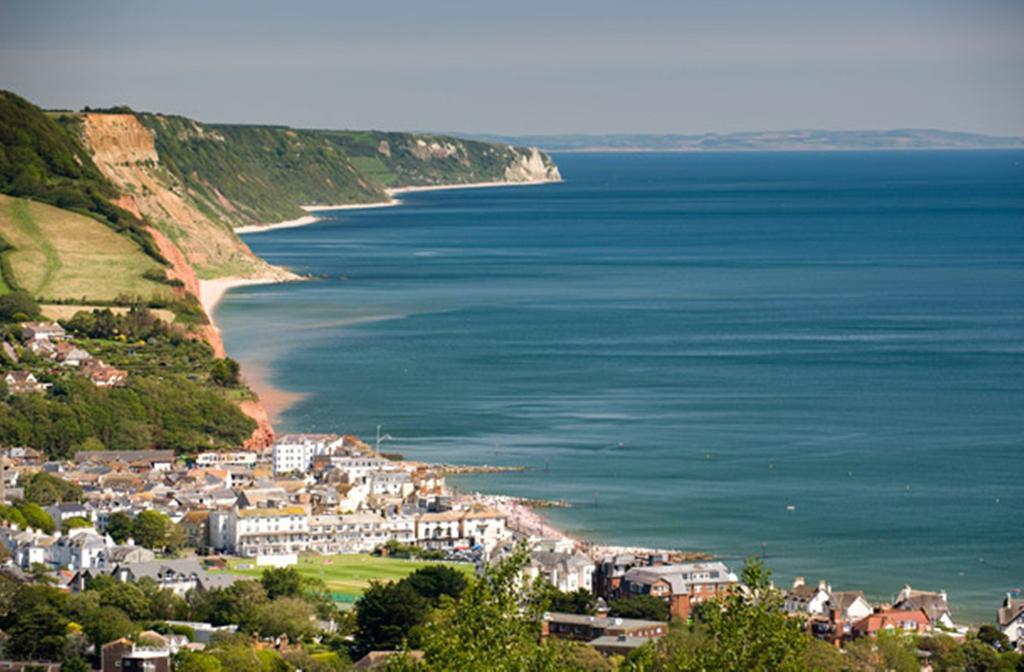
[531, 166]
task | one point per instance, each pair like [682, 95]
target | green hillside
[256, 174]
[262, 174]
[41, 158]
[59, 255]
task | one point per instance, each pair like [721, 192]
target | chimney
[798, 581]
[822, 585]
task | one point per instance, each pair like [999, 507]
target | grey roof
[934, 605]
[213, 581]
[681, 576]
[155, 568]
[843, 600]
[625, 643]
[603, 622]
[552, 559]
[1010, 611]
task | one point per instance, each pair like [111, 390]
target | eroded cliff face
[533, 166]
[194, 244]
[124, 151]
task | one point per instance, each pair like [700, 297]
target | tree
[748, 630]
[581, 601]
[45, 489]
[18, 306]
[150, 529]
[994, 637]
[281, 582]
[127, 597]
[645, 607]
[433, 581]
[76, 522]
[236, 604]
[285, 616]
[386, 614]
[107, 624]
[119, 526]
[224, 372]
[891, 652]
[194, 661]
[36, 517]
[11, 514]
[38, 634]
[494, 626]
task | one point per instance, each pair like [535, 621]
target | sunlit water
[818, 357]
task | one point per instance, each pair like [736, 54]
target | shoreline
[211, 292]
[391, 202]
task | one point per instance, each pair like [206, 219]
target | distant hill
[908, 138]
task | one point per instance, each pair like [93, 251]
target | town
[201, 523]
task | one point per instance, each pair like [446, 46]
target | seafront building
[328, 494]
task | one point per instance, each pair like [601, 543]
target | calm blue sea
[685, 346]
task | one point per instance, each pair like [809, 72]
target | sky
[530, 67]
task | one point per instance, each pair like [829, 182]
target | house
[295, 452]
[104, 375]
[583, 628]
[610, 572]
[802, 598]
[1010, 619]
[178, 576]
[850, 604]
[567, 572]
[23, 382]
[835, 623]
[81, 548]
[68, 354]
[196, 526]
[42, 331]
[914, 621]
[391, 483]
[459, 529]
[129, 554]
[124, 655]
[205, 632]
[934, 604]
[681, 585]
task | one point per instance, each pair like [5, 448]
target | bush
[18, 306]
[645, 607]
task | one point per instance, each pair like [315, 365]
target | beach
[212, 291]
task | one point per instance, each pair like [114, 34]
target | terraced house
[261, 532]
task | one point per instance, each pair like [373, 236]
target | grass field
[63, 255]
[65, 311]
[347, 576]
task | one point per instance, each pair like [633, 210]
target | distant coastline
[793, 140]
[392, 201]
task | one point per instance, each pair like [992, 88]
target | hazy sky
[521, 66]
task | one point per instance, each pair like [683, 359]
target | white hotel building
[295, 452]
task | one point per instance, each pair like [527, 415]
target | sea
[813, 358]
